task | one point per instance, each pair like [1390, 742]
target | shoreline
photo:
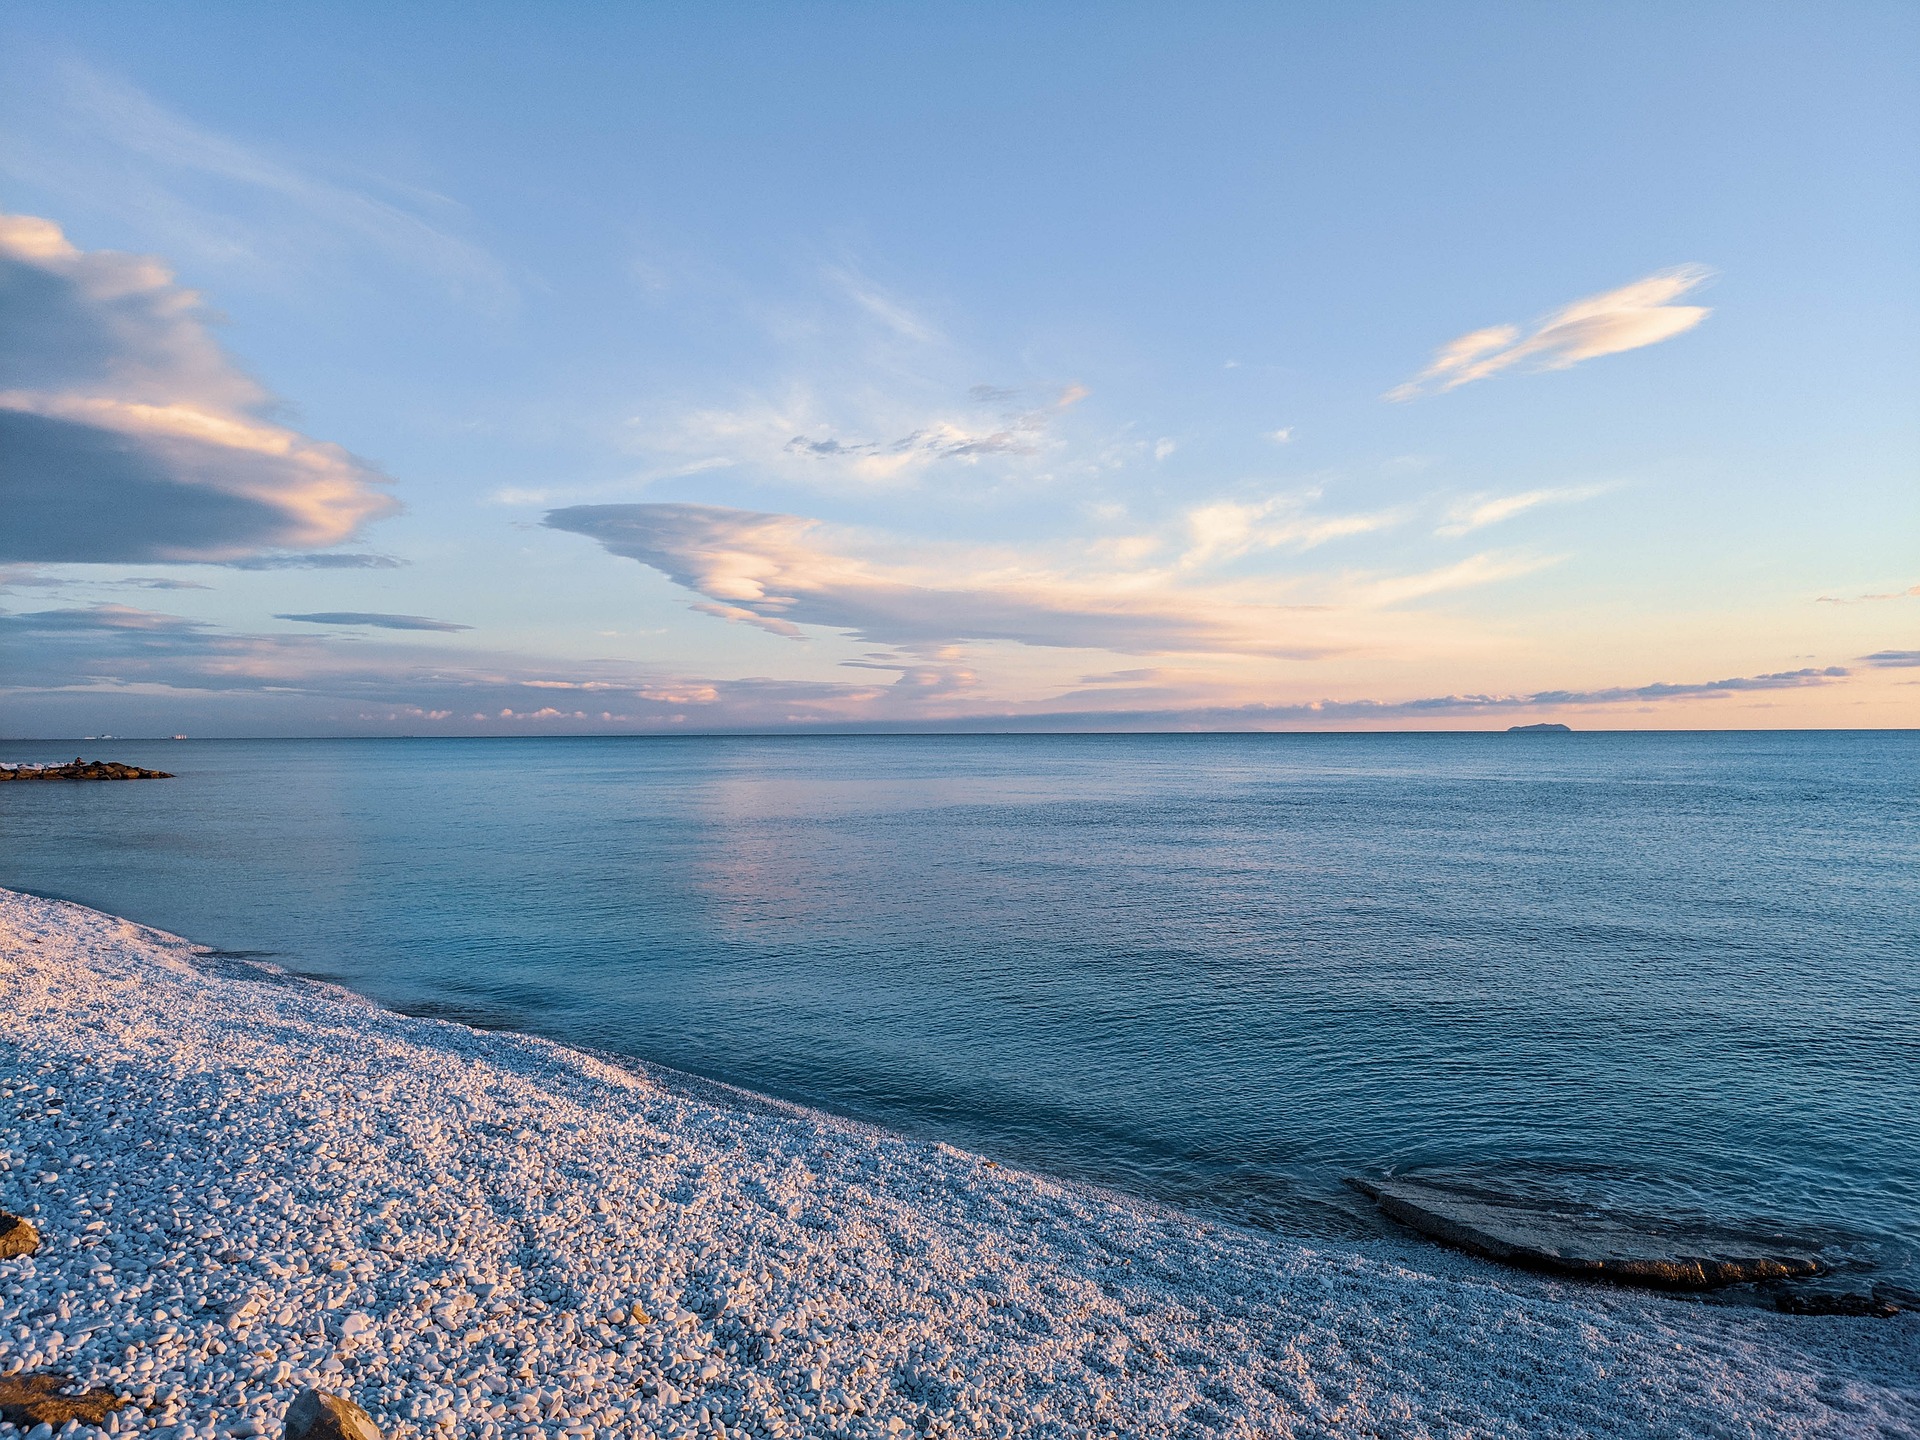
[534, 1240]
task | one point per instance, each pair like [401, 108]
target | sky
[510, 369]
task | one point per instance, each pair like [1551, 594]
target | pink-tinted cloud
[1629, 318]
[780, 572]
[124, 663]
[130, 435]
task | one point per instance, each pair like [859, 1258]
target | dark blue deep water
[1670, 972]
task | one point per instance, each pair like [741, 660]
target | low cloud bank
[130, 666]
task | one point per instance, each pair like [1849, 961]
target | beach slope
[246, 1184]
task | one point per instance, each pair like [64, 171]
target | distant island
[1545, 728]
[81, 770]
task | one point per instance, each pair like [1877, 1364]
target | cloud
[777, 572]
[781, 573]
[1481, 510]
[1475, 570]
[1282, 436]
[894, 314]
[143, 668]
[41, 580]
[111, 619]
[1017, 432]
[1891, 659]
[1332, 712]
[374, 618]
[152, 669]
[793, 439]
[1665, 690]
[130, 436]
[102, 142]
[1227, 529]
[1633, 316]
[335, 561]
[1909, 593]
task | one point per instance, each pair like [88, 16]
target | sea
[1675, 975]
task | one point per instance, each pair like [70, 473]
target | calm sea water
[1672, 972]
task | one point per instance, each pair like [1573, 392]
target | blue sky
[527, 369]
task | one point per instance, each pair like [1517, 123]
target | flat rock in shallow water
[1572, 1240]
[82, 770]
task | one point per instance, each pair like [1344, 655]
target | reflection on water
[1669, 971]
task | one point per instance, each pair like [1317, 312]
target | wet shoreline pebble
[247, 1186]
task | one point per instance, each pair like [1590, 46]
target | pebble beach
[248, 1184]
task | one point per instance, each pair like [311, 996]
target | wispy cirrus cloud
[128, 433]
[895, 314]
[864, 441]
[1484, 569]
[1911, 592]
[792, 440]
[1478, 511]
[378, 619]
[1628, 318]
[102, 142]
[1224, 530]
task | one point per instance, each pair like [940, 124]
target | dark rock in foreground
[1574, 1240]
[17, 1236]
[316, 1415]
[84, 770]
[29, 1400]
[1545, 728]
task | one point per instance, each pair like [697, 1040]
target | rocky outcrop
[38, 1399]
[17, 1236]
[316, 1415]
[1581, 1241]
[82, 770]
[1545, 728]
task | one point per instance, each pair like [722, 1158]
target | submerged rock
[29, 1400]
[316, 1415]
[17, 1236]
[1576, 1240]
[1835, 1302]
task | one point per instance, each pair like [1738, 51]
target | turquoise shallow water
[1677, 973]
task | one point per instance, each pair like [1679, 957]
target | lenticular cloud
[1633, 316]
[129, 435]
